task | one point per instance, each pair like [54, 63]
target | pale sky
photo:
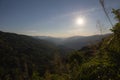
[55, 17]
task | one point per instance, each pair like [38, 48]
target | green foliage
[117, 14]
[21, 55]
[76, 57]
[114, 46]
[36, 76]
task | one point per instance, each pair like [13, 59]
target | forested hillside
[21, 56]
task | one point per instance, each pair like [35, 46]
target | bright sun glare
[80, 21]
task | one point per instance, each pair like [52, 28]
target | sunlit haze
[80, 21]
[57, 18]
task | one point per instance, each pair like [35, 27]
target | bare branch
[104, 9]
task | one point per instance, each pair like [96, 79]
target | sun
[79, 21]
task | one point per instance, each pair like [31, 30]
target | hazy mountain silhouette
[75, 42]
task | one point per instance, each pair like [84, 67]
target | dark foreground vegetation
[26, 58]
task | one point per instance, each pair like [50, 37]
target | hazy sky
[54, 17]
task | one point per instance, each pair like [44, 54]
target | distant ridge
[75, 42]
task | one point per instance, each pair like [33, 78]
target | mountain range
[75, 42]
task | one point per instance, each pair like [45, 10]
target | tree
[117, 14]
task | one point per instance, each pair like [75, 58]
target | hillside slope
[22, 55]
